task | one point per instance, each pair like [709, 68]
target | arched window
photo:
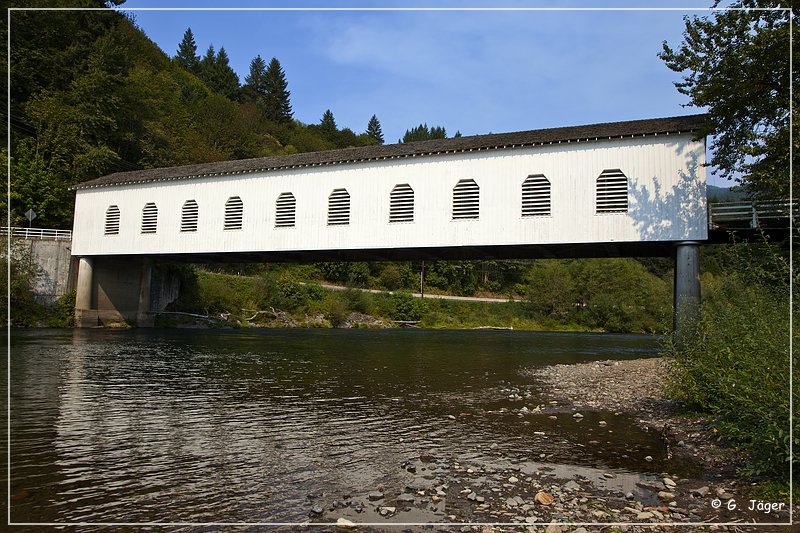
[149, 218]
[285, 208]
[112, 220]
[612, 192]
[234, 210]
[466, 199]
[189, 216]
[535, 196]
[339, 208]
[401, 203]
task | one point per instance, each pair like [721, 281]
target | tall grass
[735, 368]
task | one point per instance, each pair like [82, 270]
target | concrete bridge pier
[114, 291]
[686, 291]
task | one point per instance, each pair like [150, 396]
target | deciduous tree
[735, 63]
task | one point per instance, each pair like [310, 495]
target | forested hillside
[91, 94]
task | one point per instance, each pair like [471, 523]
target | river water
[261, 425]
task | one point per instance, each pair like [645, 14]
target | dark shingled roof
[591, 132]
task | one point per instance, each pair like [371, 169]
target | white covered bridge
[632, 188]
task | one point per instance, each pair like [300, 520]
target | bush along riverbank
[735, 371]
[292, 296]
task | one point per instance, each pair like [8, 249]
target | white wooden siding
[666, 202]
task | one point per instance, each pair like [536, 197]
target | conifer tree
[187, 53]
[374, 130]
[276, 102]
[424, 133]
[327, 124]
[216, 72]
[255, 84]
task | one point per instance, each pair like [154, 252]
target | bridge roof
[497, 141]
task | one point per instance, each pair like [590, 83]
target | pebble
[602, 423]
[451, 417]
[316, 509]
[629, 496]
[571, 485]
[664, 495]
[702, 491]
[345, 523]
[609, 475]
[553, 528]
[374, 496]
[512, 479]
[648, 458]
[670, 484]
[646, 515]
[406, 498]
[577, 415]
[387, 511]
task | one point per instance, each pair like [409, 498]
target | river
[262, 425]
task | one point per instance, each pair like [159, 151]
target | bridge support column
[85, 311]
[143, 317]
[686, 291]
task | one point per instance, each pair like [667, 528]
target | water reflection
[242, 426]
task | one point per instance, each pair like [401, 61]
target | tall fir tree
[187, 53]
[255, 84]
[374, 130]
[276, 103]
[328, 123]
[424, 133]
[216, 72]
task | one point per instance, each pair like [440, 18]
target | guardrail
[38, 233]
[724, 214]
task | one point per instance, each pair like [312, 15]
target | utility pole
[422, 280]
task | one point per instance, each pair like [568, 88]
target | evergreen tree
[328, 124]
[374, 130]
[276, 104]
[216, 72]
[226, 79]
[187, 53]
[424, 133]
[255, 84]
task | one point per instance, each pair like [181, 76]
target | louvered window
[149, 218]
[234, 210]
[612, 192]
[401, 204]
[285, 209]
[339, 208]
[112, 220]
[466, 196]
[535, 196]
[189, 215]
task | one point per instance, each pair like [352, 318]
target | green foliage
[735, 367]
[276, 100]
[424, 133]
[187, 53]
[25, 310]
[735, 63]
[374, 130]
[327, 124]
[62, 314]
[255, 85]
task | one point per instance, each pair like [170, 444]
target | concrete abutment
[686, 291]
[118, 291]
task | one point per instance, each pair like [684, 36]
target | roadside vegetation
[619, 295]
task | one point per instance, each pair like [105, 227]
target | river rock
[670, 484]
[702, 491]
[345, 523]
[571, 485]
[629, 496]
[648, 458]
[406, 498]
[512, 479]
[646, 515]
[544, 498]
[664, 495]
[577, 415]
[375, 496]
[387, 511]
[553, 528]
[316, 509]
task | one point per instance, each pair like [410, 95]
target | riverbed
[297, 426]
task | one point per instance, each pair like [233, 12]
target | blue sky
[475, 72]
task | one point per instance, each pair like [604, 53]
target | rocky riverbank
[493, 489]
